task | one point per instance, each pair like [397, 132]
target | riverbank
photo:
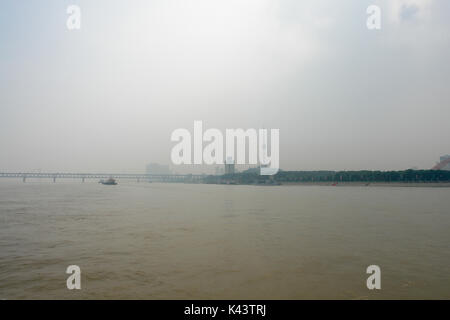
[371, 184]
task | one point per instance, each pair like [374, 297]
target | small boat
[108, 182]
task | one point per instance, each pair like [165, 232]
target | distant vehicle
[108, 182]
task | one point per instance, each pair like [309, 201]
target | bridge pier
[82, 180]
[24, 179]
[54, 179]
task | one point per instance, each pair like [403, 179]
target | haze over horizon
[108, 96]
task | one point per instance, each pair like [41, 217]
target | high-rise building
[444, 163]
[445, 160]
[229, 166]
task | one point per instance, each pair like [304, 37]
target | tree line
[252, 176]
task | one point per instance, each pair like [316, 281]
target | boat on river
[108, 182]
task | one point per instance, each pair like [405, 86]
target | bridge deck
[65, 175]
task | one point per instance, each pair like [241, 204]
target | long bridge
[118, 176]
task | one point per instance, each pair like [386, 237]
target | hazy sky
[108, 96]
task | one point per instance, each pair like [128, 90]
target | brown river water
[194, 241]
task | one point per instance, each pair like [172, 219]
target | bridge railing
[83, 176]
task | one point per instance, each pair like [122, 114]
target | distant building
[156, 168]
[445, 159]
[444, 163]
[229, 166]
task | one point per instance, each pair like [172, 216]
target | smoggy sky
[108, 96]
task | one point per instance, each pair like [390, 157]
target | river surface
[194, 241]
